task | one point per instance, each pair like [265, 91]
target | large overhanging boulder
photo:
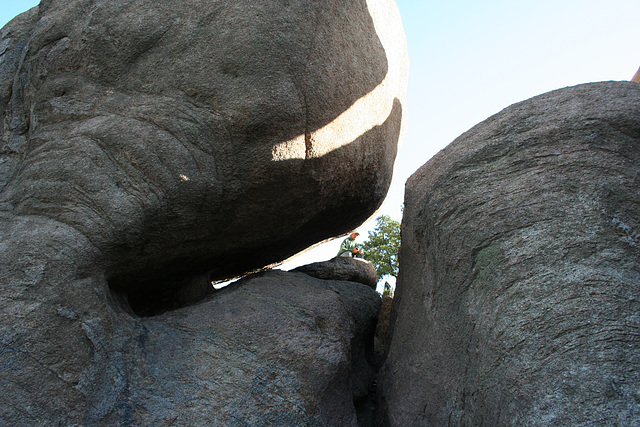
[519, 288]
[205, 138]
[149, 147]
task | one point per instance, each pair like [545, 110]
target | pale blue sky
[471, 59]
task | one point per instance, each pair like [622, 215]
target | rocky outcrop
[151, 147]
[519, 288]
[208, 139]
[277, 348]
[343, 268]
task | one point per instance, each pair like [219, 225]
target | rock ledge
[341, 268]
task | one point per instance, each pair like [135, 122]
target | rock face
[212, 138]
[150, 147]
[343, 268]
[519, 288]
[277, 348]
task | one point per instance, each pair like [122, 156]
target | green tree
[381, 248]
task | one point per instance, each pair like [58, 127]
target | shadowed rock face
[211, 138]
[519, 288]
[276, 348]
[149, 147]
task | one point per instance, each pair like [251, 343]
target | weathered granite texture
[199, 139]
[519, 288]
[149, 147]
[276, 348]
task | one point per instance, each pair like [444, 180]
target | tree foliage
[381, 248]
